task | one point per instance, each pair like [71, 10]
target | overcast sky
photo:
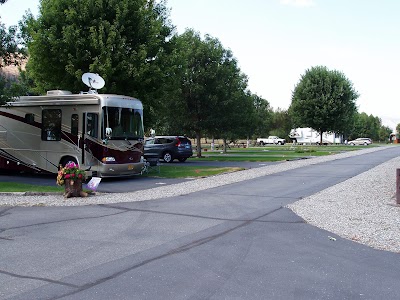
[276, 41]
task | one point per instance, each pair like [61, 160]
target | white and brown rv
[308, 135]
[102, 133]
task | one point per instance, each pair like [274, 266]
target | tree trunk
[320, 138]
[73, 188]
[224, 145]
[198, 140]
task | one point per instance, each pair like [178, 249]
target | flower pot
[73, 188]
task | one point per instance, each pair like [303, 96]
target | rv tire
[66, 160]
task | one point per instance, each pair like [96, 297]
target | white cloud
[298, 2]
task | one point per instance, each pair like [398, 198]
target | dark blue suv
[168, 148]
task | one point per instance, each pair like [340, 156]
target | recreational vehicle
[102, 133]
[310, 136]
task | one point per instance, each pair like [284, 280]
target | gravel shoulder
[361, 209]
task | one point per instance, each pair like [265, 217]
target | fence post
[398, 186]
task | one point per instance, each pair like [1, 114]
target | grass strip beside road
[240, 158]
[11, 187]
[183, 171]
[166, 171]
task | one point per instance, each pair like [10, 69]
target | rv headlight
[108, 159]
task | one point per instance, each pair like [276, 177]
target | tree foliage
[234, 106]
[209, 90]
[384, 133]
[369, 126]
[119, 39]
[11, 53]
[280, 123]
[262, 116]
[11, 87]
[188, 85]
[323, 100]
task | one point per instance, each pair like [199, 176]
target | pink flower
[71, 165]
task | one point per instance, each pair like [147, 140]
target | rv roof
[58, 92]
[67, 98]
[78, 99]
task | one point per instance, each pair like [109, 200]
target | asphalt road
[231, 242]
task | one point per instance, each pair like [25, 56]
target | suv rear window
[185, 141]
[163, 141]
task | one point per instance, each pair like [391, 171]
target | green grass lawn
[273, 153]
[21, 187]
[184, 171]
[166, 171]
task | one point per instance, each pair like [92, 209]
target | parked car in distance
[272, 139]
[360, 141]
[168, 148]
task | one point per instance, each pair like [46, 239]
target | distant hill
[12, 72]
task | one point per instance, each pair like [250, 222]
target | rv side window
[74, 124]
[51, 124]
[30, 118]
[92, 121]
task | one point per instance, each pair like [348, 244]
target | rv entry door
[90, 136]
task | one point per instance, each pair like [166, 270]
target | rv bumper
[110, 170]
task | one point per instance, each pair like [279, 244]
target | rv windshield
[125, 123]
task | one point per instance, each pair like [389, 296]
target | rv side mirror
[108, 132]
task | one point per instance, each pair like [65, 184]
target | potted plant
[71, 176]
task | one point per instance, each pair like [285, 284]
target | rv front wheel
[67, 160]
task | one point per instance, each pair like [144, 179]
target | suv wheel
[167, 157]
[182, 159]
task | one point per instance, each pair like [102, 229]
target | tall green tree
[323, 100]
[11, 52]
[384, 133]
[231, 118]
[280, 123]
[208, 87]
[119, 39]
[369, 126]
[262, 116]
[398, 128]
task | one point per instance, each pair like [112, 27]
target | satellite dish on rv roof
[94, 81]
